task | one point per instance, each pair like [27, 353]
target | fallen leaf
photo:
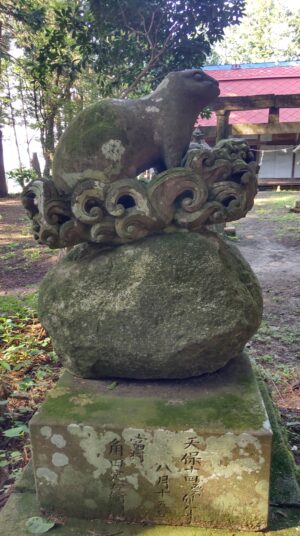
[39, 525]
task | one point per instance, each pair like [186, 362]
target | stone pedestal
[188, 452]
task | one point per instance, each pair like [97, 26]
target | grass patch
[290, 216]
[274, 207]
[32, 254]
[22, 306]
[273, 366]
[286, 335]
[276, 200]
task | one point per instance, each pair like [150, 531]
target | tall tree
[141, 40]
[50, 35]
[3, 184]
[72, 53]
[294, 47]
[264, 34]
[3, 52]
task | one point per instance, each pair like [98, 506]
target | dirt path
[23, 262]
[271, 257]
[269, 238]
[271, 244]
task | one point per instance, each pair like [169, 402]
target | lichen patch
[46, 431]
[48, 475]
[58, 440]
[94, 446]
[113, 150]
[151, 109]
[59, 459]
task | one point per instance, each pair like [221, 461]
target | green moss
[227, 410]
[97, 123]
[284, 487]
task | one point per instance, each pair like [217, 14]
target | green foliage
[19, 341]
[294, 48]
[71, 54]
[20, 306]
[56, 43]
[22, 176]
[266, 33]
[28, 367]
[17, 431]
[142, 40]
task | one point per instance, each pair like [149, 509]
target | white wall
[277, 164]
[297, 165]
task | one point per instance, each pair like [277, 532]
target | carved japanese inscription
[162, 476]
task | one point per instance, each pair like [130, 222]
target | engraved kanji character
[191, 478]
[163, 481]
[116, 448]
[138, 447]
[163, 492]
[117, 465]
[191, 442]
[161, 509]
[191, 458]
[163, 467]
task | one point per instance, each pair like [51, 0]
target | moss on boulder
[171, 306]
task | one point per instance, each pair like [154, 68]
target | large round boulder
[169, 306]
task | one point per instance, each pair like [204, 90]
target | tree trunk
[25, 121]
[35, 164]
[3, 184]
[13, 122]
[48, 145]
[59, 127]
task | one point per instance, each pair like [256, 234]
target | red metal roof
[291, 71]
[257, 81]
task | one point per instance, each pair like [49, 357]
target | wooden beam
[241, 129]
[280, 181]
[257, 102]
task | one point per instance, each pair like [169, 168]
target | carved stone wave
[212, 186]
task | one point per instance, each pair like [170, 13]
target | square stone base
[190, 452]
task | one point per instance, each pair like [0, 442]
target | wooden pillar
[273, 116]
[258, 144]
[222, 125]
[294, 156]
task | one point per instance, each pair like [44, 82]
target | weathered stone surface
[216, 186]
[115, 139]
[191, 452]
[283, 521]
[172, 306]
[22, 506]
